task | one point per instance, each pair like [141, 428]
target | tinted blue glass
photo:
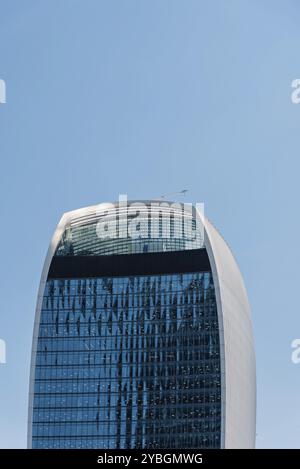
[128, 362]
[174, 231]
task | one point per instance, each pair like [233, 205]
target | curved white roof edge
[236, 343]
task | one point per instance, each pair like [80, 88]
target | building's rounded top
[127, 227]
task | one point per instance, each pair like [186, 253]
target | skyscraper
[142, 335]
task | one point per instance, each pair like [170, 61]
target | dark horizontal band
[132, 458]
[126, 265]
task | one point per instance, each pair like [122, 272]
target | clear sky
[144, 98]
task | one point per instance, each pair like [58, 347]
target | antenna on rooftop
[183, 192]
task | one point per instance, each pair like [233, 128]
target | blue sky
[144, 98]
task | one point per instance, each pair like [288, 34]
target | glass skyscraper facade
[128, 363]
[127, 342]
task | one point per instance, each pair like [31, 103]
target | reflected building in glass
[142, 335]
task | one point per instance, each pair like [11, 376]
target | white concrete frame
[238, 372]
[238, 367]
